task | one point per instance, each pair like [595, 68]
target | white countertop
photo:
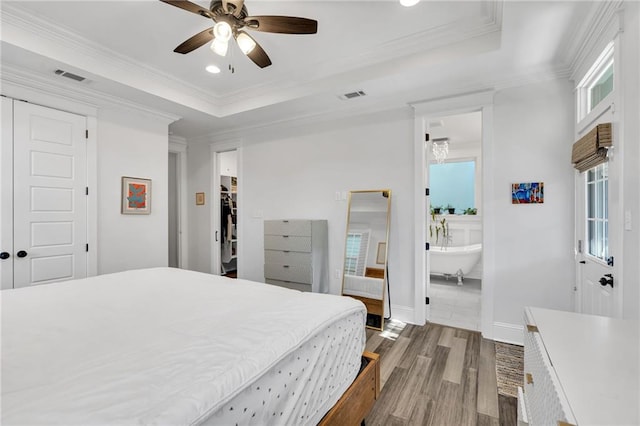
[597, 360]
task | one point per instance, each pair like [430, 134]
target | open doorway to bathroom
[454, 225]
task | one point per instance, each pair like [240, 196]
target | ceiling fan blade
[282, 24]
[190, 7]
[237, 6]
[196, 41]
[257, 54]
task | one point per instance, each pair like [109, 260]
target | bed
[165, 346]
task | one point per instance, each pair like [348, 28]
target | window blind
[591, 149]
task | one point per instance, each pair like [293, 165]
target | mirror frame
[369, 302]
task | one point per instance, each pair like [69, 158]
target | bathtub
[457, 261]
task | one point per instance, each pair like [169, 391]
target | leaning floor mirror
[365, 257]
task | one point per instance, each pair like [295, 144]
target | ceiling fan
[231, 19]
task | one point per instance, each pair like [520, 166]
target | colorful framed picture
[136, 195]
[527, 193]
[199, 198]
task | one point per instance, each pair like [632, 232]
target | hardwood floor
[437, 375]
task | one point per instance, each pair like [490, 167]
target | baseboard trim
[403, 313]
[508, 333]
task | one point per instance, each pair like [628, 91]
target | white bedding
[171, 347]
[363, 286]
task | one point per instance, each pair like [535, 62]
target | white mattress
[363, 286]
[171, 347]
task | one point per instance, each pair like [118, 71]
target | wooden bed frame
[357, 401]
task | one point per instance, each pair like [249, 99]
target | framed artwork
[199, 198]
[527, 193]
[136, 195]
[382, 251]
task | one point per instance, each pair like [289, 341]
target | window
[597, 83]
[453, 183]
[356, 253]
[598, 211]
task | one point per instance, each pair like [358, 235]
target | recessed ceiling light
[213, 69]
[409, 3]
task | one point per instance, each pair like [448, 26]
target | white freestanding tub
[457, 261]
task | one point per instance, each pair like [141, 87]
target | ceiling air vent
[70, 75]
[352, 95]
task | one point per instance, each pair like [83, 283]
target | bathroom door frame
[423, 113]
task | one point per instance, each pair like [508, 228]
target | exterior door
[49, 195]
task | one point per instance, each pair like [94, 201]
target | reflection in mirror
[365, 258]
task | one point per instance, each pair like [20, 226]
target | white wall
[630, 72]
[533, 135]
[131, 144]
[199, 177]
[296, 174]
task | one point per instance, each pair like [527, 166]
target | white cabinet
[579, 370]
[295, 254]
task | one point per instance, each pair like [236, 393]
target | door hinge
[426, 300]
[426, 137]
[426, 246]
[610, 260]
[426, 192]
[87, 247]
[579, 246]
[86, 134]
[86, 190]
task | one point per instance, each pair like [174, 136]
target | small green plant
[471, 211]
[436, 209]
[450, 209]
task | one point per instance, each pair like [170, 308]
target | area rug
[509, 368]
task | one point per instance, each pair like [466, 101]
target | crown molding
[603, 24]
[26, 79]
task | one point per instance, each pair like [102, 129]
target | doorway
[454, 223]
[225, 214]
[174, 232]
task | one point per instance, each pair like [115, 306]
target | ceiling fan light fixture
[220, 47]
[409, 3]
[245, 42]
[222, 31]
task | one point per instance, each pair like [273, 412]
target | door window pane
[597, 210]
[602, 87]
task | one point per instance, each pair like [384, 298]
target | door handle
[21, 253]
[583, 262]
[4, 255]
[607, 280]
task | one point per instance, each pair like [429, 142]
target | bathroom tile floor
[454, 305]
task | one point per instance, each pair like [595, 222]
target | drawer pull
[286, 251]
[529, 379]
[532, 328]
[285, 236]
[285, 221]
[285, 266]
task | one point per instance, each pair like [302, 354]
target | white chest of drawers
[579, 370]
[295, 254]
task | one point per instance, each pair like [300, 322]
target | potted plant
[471, 211]
[436, 209]
[450, 209]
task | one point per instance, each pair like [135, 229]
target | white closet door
[50, 203]
[6, 194]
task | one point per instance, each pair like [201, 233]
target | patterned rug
[509, 368]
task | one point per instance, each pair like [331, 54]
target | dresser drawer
[294, 273]
[288, 284]
[287, 243]
[287, 257]
[300, 228]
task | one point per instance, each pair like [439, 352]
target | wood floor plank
[484, 420]
[388, 398]
[432, 333]
[431, 385]
[448, 406]
[415, 378]
[446, 337]
[422, 410]
[373, 341]
[455, 361]
[508, 406]
[487, 381]
[470, 397]
[473, 351]
[415, 347]
[392, 358]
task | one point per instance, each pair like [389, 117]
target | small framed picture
[382, 252]
[199, 198]
[136, 195]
